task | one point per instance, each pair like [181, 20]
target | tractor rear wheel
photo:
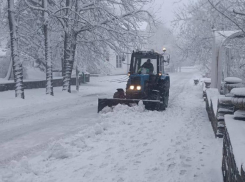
[154, 106]
[162, 107]
[166, 97]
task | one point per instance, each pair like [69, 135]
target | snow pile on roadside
[124, 108]
[57, 151]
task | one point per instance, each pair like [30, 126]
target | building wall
[119, 65]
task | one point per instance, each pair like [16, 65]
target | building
[120, 63]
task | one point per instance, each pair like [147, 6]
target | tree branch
[226, 16]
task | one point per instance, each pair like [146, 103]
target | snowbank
[232, 80]
[240, 115]
[236, 130]
[206, 80]
[212, 96]
[239, 92]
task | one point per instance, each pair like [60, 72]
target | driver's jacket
[148, 66]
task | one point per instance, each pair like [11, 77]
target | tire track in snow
[37, 124]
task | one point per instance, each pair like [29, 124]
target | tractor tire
[162, 107]
[164, 91]
[154, 106]
[165, 98]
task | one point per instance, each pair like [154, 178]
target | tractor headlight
[138, 87]
[131, 87]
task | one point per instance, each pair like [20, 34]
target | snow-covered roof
[222, 35]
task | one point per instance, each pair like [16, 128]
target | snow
[35, 74]
[239, 114]
[212, 96]
[2, 52]
[224, 100]
[240, 92]
[215, 104]
[225, 110]
[51, 117]
[2, 80]
[62, 138]
[233, 80]
[206, 80]
[236, 132]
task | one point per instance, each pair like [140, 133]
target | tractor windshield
[142, 66]
[150, 65]
[146, 62]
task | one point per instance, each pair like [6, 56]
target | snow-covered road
[66, 140]
[29, 126]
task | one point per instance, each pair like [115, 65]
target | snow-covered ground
[62, 138]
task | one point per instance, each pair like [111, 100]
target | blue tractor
[147, 82]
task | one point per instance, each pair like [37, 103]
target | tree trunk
[17, 66]
[70, 42]
[49, 74]
[69, 55]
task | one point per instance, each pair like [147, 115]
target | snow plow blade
[149, 104]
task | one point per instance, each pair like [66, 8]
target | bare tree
[49, 74]
[17, 66]
[195, 26]
[47, 48]
[109, 24]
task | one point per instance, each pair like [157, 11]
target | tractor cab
[141, 58]
[146, 69]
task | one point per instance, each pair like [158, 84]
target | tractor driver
[148, 65]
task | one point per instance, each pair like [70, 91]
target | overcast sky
[166, 8]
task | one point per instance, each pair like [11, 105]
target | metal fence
[229, 168]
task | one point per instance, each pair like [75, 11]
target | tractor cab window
[148, 66]
[140, 66]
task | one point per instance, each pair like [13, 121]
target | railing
[229, 168]
[223, 112]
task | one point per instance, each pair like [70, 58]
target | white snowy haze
[59, 135]
[165, 9]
